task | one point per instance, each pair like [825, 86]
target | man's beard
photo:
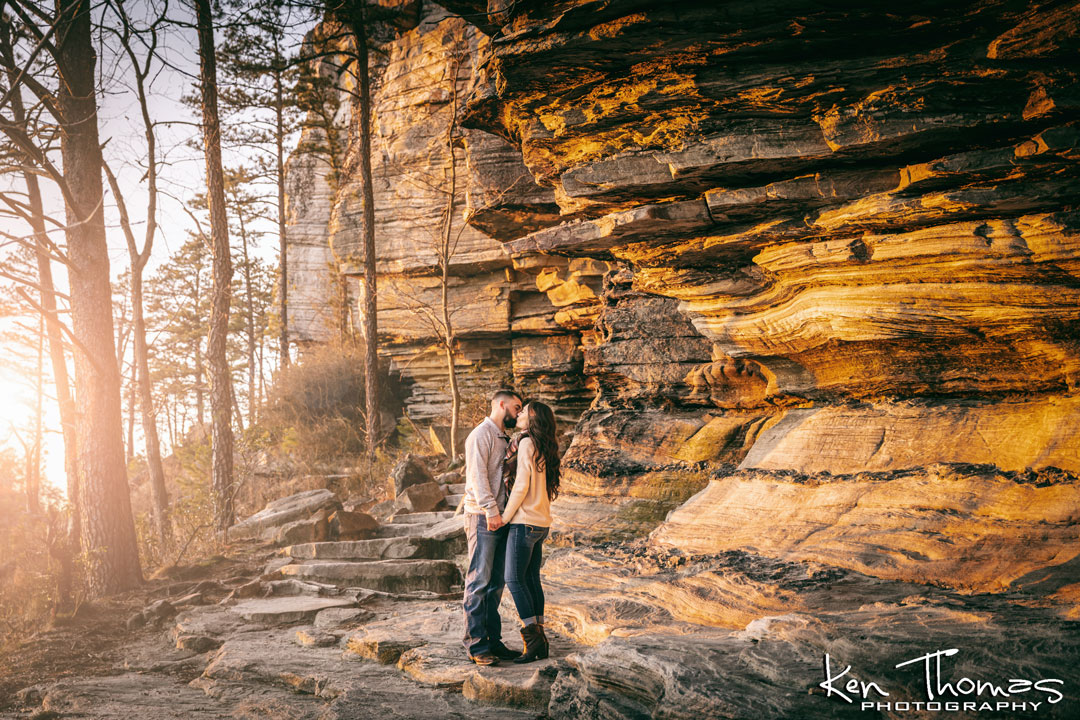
[509, 421]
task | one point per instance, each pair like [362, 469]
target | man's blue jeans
[524, 555]
[483, 584]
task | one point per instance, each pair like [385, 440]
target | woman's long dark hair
[542, 432]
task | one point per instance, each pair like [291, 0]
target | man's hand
[495, 522]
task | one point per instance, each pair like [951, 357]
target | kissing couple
[509, 486]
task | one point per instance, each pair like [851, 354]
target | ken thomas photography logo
[940, 695]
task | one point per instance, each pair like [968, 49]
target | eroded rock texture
[811, 272]
[844, 238]
[515, 321]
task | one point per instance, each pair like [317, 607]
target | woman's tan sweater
[528, 502]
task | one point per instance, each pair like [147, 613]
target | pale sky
[181, 176]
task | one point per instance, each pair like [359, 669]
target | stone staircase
[413, 553]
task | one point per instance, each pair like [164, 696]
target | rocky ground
[366, 622]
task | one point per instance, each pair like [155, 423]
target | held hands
[495, 522]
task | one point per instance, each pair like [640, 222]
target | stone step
[402, 530]
[456, 488]
[281, 610]
[393, 576]
[422, 517]
[391, 548]
[454, 500]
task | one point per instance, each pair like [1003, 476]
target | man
[485, 499]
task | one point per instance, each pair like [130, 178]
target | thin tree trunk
[141, 367]
[220, 379]
[444, 260]
[250, 318]
[283, 261]
[107, 524]
[169, 421]
[262, 368]
[131, 420]
[355, 16]
[66, 548]
[138, 258]
[238, 414]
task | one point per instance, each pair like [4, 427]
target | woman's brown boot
[536, 644]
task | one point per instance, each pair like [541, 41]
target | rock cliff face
[806, 274]
[846, 238]
[426, 169]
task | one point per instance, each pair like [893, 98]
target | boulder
[313, 529]
[448, 478]
[384, 509]
[282, 512]
[346, 525]
[409, 471]
[444, 530]
[424, 497]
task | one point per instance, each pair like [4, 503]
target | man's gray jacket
[485, 449]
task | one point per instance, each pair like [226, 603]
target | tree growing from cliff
[359, 18]
[443, 243]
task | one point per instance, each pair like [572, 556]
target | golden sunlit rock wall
[780, 237]
[844, 237]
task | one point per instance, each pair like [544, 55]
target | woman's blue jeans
[524, 555]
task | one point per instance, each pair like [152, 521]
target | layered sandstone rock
[430, 176]
[833, 250]
[810, 276]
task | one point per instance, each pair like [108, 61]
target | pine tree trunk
[358, 25]
[107, 525]
[221, 434]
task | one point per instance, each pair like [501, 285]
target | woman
[532, 473]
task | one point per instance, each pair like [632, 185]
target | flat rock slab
[403, 530]
[287, 609]
[452, 528]
[421, 517]
[209, 621]
[425, 644]
[281, 512]
[402, 548]
[394, 576]
[129, 695]
[333, 617]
